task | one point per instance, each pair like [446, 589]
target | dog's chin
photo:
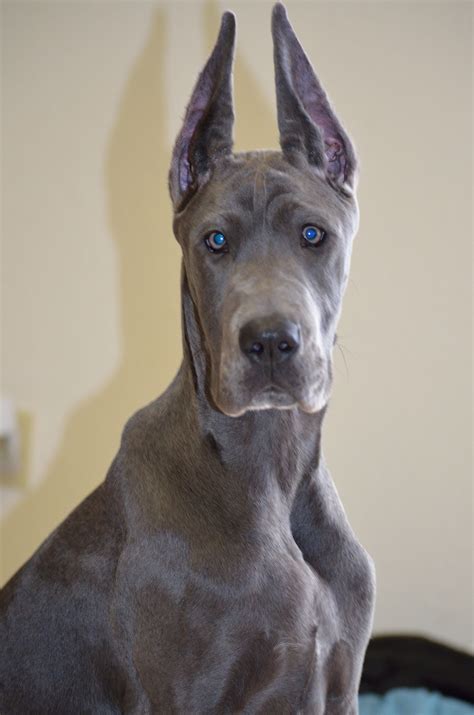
[271, 398]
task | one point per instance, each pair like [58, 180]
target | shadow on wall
[140, 220]
[139, 210]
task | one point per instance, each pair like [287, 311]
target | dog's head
[266, 236]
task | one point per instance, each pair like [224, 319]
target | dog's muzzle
[272, 353]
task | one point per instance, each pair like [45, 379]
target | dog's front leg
[343, 706]
[328, 544]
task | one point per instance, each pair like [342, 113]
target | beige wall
[93, 93]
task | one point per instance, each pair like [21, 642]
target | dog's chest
[203, 644]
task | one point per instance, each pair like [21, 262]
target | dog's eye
[312, 236]
[216, 242]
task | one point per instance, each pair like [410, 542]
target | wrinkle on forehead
[257, 185]
[276, 182]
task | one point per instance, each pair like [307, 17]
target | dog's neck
[268, 449]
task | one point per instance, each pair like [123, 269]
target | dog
[214, 570]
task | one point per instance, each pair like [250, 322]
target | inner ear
[207, 129]
[306, 119]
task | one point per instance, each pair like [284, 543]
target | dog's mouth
[266, 400]
[275, 397]
[272, 396]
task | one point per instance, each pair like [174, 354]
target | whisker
[339, 346]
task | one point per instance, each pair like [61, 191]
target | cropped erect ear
[206, 134]
[306, 120]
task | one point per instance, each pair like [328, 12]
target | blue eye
[313, 235]
[216, 242]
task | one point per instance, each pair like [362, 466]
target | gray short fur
[214, 570]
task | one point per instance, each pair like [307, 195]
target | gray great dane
[214, 570]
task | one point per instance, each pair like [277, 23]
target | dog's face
[266, 236]
[266, 251]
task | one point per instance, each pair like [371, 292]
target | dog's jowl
[214, 570]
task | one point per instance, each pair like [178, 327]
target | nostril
[252, 342]
[256, 348]
[285, 347]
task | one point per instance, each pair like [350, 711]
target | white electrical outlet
[9, 438]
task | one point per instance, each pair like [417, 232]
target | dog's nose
[269, 340]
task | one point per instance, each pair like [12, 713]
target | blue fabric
[412, 701]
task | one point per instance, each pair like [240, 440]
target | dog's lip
[272, 397]
[272, 387]
[281, 394]
[276, 391]
[273, 390]
[270, 394]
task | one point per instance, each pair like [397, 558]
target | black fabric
[414, 662]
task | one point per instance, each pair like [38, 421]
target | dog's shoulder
[148, 424]
[83, 546]
[54, 615]
[142, 473]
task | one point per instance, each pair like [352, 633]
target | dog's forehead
[264, 183]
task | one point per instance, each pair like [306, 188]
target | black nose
[269, 340]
